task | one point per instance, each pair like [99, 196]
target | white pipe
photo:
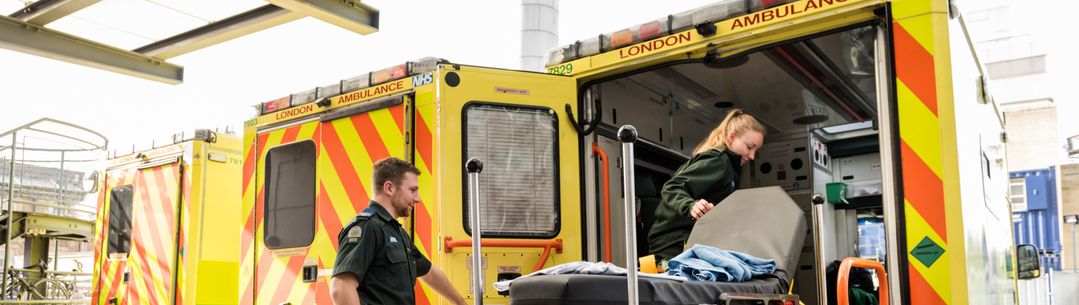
[10, 215]
[539, 32]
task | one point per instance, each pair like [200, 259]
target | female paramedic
[711, 175]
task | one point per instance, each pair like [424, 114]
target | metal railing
[39, 173]
[75, 211]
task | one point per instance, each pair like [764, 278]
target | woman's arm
[690, 182]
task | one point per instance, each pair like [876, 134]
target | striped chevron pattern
[108, 273]
[154, 239]
[347, 149]
[921, 150]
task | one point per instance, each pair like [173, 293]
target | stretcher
[763, 222]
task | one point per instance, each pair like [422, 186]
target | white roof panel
[130, 24]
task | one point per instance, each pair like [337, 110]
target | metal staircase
[47, 182]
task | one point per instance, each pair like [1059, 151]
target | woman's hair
[737, 121]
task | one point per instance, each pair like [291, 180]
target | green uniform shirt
[711, 175]
[375, 248]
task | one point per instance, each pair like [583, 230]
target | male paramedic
[376, 261]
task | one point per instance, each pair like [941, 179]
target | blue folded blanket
[711, 264]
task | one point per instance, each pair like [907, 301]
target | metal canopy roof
[136, 37]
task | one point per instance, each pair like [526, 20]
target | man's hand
[438, 281]
[343, 289]
[700, 208]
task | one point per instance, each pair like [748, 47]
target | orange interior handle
[606, 174]
[843, 288]
[547, 245]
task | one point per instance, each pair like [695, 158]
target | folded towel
[704, 263]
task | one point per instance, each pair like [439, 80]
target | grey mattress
[588, 289]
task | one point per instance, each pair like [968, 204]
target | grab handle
[628, 135]
[604, 168]
[474, 167]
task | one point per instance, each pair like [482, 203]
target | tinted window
[290, 196]
[120, 219]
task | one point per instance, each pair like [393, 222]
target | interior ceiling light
[712, 60]
[810, 119]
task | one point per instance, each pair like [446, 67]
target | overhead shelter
[39, 28]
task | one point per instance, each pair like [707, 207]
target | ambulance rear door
[519, 124]
[352, 139]
[285, 212]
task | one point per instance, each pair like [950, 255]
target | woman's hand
[700, 208]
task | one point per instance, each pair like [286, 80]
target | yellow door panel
[529, 188]
[284, 210]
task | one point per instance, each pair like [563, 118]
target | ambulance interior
[818, 99]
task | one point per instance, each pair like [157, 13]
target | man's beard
[403, 211]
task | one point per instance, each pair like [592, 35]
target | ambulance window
[290, 196]
[518, 185]
[120, 219]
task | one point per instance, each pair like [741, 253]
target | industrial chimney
[539, 32]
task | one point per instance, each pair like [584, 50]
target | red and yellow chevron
[347, 149]
[153, 239]
[108, 273]
[275, 277]
[926, 125]
[425, 214]
[181, 238]
[247, 206]
[154, 231]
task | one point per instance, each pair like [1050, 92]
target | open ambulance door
[352, 140]
[313, 177]
[141, 213]
[519, 125]
[284, 207]
[113, 240]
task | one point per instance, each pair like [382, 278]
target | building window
[519, 182]
[1016, 67]
[120, 219]
[1017, 194]
[290, 196]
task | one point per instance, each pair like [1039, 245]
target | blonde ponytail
[736, 121]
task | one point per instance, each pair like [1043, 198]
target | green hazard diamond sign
[927, 252]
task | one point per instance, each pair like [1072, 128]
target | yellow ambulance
[168, 223]
[880, 107]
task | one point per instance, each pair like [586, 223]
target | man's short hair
[391, 169]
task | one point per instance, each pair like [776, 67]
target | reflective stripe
[922, 152]
[347, 149]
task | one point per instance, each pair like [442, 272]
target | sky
[223, 82]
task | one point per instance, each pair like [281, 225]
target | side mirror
[1028, 262]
